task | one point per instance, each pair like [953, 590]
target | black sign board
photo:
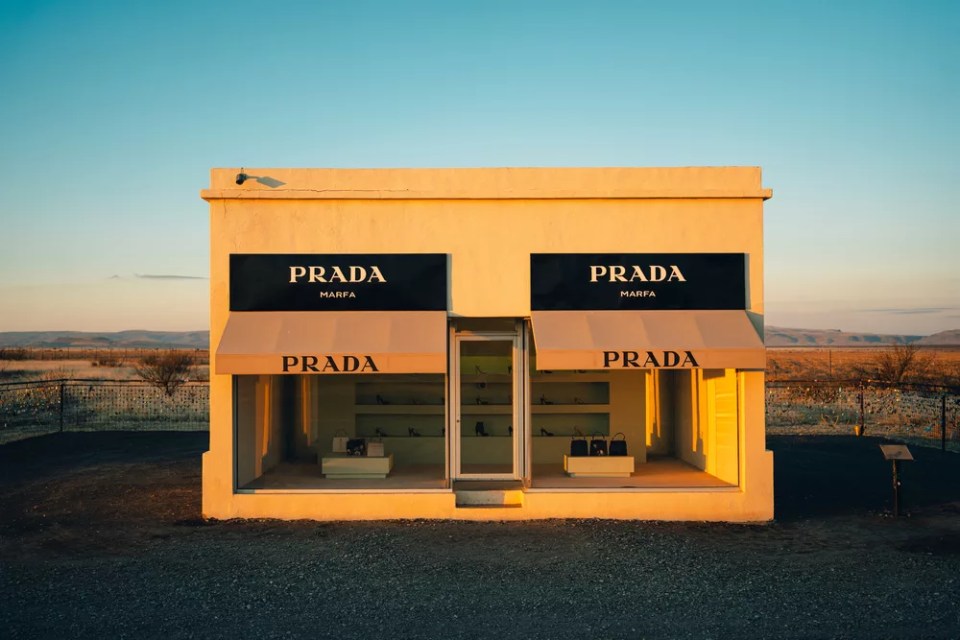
[338, 282]
[637, 281]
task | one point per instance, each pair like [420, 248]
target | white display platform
[598, 466]
[344, 466]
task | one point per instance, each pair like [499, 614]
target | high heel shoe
[380, 400]
[379, 432]
[413, 432]
[510, 430]
[544, 432]
[480, 430]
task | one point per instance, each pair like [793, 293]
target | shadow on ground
[816, 476]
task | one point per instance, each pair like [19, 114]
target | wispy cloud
[154, 276]
[914, 312]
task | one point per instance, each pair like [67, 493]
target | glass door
[487, 422]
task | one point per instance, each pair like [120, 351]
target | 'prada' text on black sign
[338, 282]
[637, 281]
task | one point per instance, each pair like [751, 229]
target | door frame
[520, 382]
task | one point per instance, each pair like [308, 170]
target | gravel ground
[100, 536]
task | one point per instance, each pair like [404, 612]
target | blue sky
[113, 113]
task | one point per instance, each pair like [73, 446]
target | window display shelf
[486, 409]
[400, 409]
[487, 378]
[570, 408]
[569, 376]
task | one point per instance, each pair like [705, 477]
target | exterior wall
[488, 221]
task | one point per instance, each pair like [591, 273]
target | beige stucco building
[456, 330]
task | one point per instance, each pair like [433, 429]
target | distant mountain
[134, 339]
[942, 339]
[776, 337]
[781, 337]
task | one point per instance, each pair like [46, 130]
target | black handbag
[357, 447]
[578, 444]
[598, 445]
[618, 447]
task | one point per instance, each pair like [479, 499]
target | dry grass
[939, 365]
[23, 370]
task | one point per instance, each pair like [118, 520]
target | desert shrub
[107, 361]
[167, 370]
[900, 363]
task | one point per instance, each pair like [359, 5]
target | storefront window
[634, 429]
[291, 431]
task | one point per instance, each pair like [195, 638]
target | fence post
[862, 426]
[943, 422]
[61, 406]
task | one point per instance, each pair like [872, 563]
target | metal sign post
[895, 453]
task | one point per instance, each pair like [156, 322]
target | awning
[624, 340]
[332, 342]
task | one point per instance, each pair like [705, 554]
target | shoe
[380, 400]
[544, 432]
[510, 431]
[480, 430]
[543, 400]
[379, 432]
[479, 370]
[413, 432]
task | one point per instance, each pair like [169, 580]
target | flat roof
[487, 183]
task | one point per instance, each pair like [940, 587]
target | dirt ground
[101, 536]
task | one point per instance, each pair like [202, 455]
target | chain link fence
[39, 407]
[924, 413]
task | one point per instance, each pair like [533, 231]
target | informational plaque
[896, 452]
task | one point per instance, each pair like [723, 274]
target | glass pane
[486, 407]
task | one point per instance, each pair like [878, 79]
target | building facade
[487, 344]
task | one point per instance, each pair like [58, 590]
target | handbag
[340, 441]
[618, 447]
[356, 446]
[578, 444]
[375, 449]
[598, 445]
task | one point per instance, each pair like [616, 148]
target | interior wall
[689, 444]
[628, 410]
[260, 439]
[245, 400]
[333, 401]
[660, 414]
[270, 410]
